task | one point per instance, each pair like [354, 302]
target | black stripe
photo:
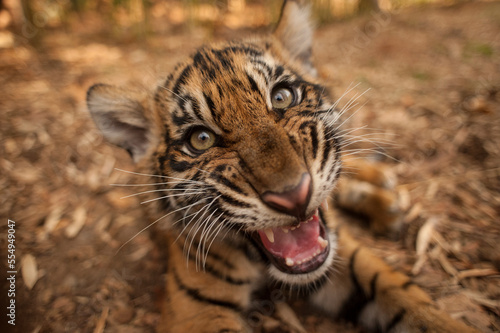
[407, 284]
[168, 80]
[211, 106]
[162, 158]
[278, 71]
[314, 140]
[357, 299]
[181, 187]
[249, 220]
[213, 255]
[158, 96]
[198, 177]
[241, 217]
[226, 182]
[199, 59]
[292, 140]
[306, 124]
[195, 106]
[373, 286]
[226, 278]
[181, 119]
[255, 87]
[244, 49]
[268, 71]
[195, 294]
[179, 166]
[319, 90]
[212, 271]
[395, 320]
[182, 79]
[308, 113]
[210, 73]
[234, 202]
[351, 269]
[239, 84]
[225, 60]
[336, 175]
[353, 306]
[181, 102]
[220, 168]
[208, 68]
[221, 92]
[242, 164]
[327, 147]
[164, 204]
[253, 252]
[263, 64]
[231, 185]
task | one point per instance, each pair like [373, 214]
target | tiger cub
[243, 148]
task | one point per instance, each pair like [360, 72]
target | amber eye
[201, 139]
[282, 98]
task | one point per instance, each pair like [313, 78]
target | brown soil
[434, 97]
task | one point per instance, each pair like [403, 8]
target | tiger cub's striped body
[245, 148]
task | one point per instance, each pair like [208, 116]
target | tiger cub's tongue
[297, 245]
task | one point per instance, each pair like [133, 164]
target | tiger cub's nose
[293, 202]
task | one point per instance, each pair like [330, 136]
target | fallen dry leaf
[102, 321]
[424, 236]
[476, 272]
[53, 219]
[29, 270]
[79, 218]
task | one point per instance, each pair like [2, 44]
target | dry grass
[434, 80]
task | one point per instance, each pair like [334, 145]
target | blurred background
[138, 18]
[427, 105]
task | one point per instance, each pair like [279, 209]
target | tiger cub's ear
[121, 116]
[295, 32]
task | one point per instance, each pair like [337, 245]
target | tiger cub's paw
[369, 189]
[282, 319]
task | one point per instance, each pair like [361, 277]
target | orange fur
[227, 243]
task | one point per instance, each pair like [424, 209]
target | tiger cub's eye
[202, 139]
[282, 97]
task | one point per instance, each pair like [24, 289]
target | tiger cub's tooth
[322, 242]
[289, 262]
[270, 234]
[285, 230]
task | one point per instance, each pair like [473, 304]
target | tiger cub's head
[246, 142]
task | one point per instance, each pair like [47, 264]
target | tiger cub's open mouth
[299, 249]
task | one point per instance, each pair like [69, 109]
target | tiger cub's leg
[364, 289]
[212, 298]
[368, 189]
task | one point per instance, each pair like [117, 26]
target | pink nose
[292, 202]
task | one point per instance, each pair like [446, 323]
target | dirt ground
[433, 107]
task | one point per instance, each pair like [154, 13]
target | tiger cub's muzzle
[303, 246]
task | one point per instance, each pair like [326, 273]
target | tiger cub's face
[248, 140]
